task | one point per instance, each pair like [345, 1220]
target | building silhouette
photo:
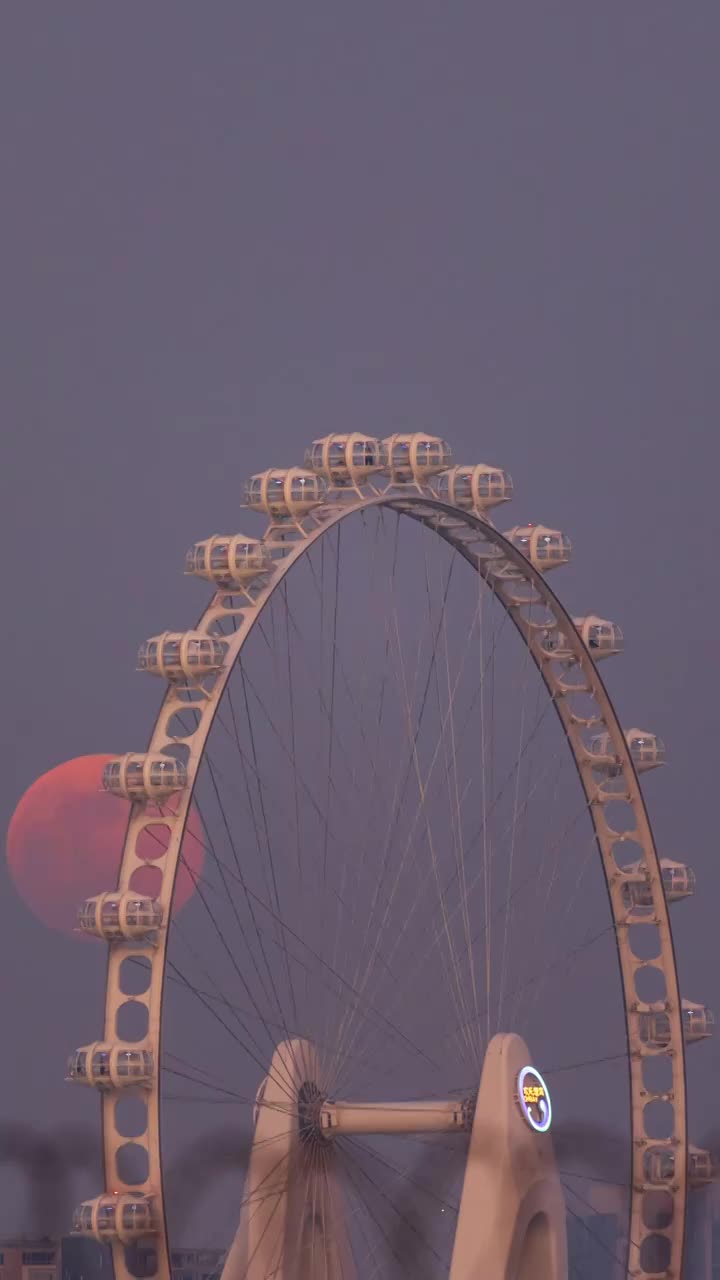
[78, 1258]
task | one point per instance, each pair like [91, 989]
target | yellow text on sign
[533, 1093]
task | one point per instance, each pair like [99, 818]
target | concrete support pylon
[292, 1221]
[511, 1224]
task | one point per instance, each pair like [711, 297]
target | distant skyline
[224, 237]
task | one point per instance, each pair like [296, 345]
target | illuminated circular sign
[534, 1099]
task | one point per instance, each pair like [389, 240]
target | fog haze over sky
[228, 230]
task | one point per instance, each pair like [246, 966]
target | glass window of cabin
[110, 913]
[106, 1216]
[660, 1027]
[363, 453]
[134, 1214]
[219, 556]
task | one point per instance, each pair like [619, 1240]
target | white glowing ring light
[544, 1103]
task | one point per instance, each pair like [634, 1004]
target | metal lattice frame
[483, 547]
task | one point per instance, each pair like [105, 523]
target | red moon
[65, 840]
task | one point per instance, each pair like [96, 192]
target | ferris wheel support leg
[292, 1217]
[511, 1224]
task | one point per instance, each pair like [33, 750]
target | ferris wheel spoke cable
[207, 997]
[352, 1148]
[186, 1075]
[588, 1062]
[413, 736]
[255, 1057]
[551, 846]
[247, 682]
[405, 773]
[450, 767]
[500, 910]
[351, 1165]
[513, 832]
[429, 872]
[352, 1157]
[376, 953]
[584, 863]
[383, 682]
[293, 738]
[394, 805]
[560, 846]
[397, 1031]
[268, 844]
[201, 888]
[232, 1009]
[461, 843]
[251, 909]
[598, 1239]
[321, 813]
[444, 1033]
[231, 899]
[456, 988]
[327, 1013]
[519, 829]
[410, 909]
[185, 985]
[398, 1173]
[331, 737]
[530, 879]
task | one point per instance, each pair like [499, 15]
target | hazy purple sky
[228, 229]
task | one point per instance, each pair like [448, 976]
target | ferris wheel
[430, 936]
